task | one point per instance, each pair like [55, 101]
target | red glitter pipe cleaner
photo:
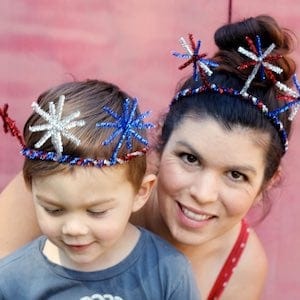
[10, 125]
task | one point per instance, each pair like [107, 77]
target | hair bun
[231, 36]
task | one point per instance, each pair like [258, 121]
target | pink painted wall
[43, 43]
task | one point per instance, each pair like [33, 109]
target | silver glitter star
[56, 126]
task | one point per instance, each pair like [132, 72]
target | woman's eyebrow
[189, 147]
[244, 168]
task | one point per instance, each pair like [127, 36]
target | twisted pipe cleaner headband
[261, 62]
[125, 128]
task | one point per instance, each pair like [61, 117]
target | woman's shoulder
[249, 277]
[16, 213]
[254, 258]
[23, 258]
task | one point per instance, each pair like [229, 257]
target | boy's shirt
[154, 270]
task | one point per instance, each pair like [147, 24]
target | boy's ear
[144, 192]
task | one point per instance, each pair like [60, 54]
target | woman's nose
[204, 187]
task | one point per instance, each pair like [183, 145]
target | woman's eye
[237, 176]
[189, 158]
[54, 211]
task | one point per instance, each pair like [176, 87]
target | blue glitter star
[126, 126]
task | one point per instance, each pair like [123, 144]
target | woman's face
[208, 178]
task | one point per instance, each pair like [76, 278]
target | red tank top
[231, 263]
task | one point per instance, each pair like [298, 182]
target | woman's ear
[275, 180]
[144, 192]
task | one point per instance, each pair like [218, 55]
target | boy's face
[85, 214]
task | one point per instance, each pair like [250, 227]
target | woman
[219, 152]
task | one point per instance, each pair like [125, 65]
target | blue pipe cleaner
[126, 126]
[260, 53]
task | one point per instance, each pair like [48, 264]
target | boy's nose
[74, 227]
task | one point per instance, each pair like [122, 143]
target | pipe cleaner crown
[125, 127]
[262, 63]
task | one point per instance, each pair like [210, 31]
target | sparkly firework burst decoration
[262, 63]
[200, 64]
[260, 60]
[126, 127]
[56, 126]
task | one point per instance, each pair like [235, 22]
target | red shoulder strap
[231, 263]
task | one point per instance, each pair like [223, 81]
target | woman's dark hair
[89, 97]
[231, 111]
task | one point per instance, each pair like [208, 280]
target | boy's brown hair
[89, 97]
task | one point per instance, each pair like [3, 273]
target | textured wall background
[44, 43]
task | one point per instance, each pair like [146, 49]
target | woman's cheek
[170, 178]
[237, 203]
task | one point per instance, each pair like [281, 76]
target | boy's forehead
[84, 184]
[74, 174]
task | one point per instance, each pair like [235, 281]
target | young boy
[84, 162]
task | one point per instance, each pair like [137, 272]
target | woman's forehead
[209, 138]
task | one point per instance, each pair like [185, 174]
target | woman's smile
[191, 218]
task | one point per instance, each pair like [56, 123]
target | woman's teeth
[193, 216]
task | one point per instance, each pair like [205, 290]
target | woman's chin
[183, 236]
